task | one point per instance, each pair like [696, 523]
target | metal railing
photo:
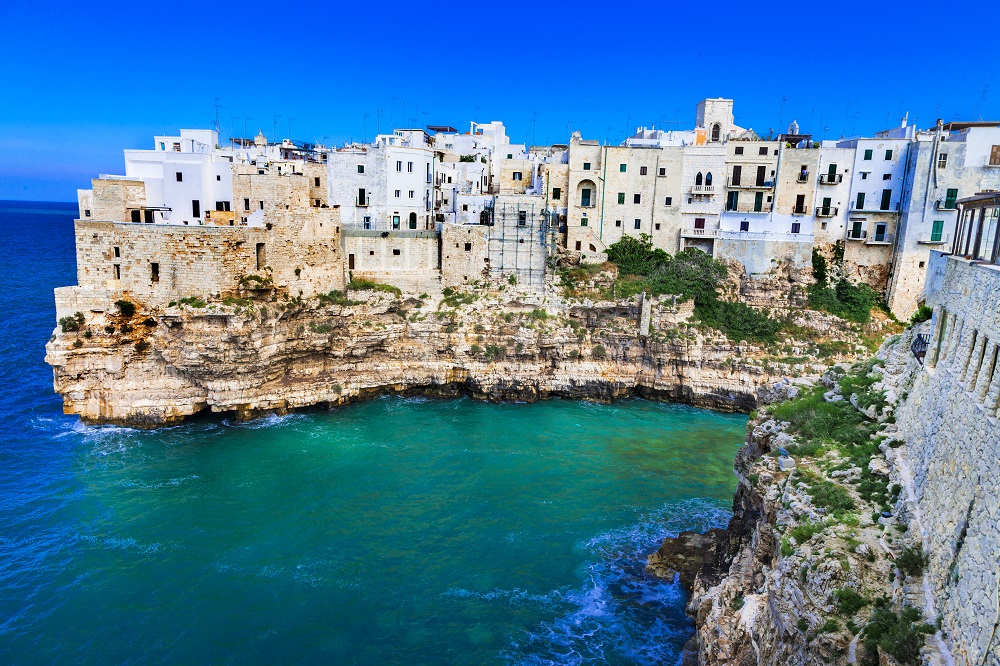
[929, 239]
[828, 211]
[944, 204]
[831, 178]
[919, 347]
[803, 177]
[856, 235]
[877, 239]
[703, 189]
[766, 185]
[358, 201]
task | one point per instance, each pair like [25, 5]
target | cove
[402, 530]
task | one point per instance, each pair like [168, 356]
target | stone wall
[464, 254]
[409, 260]
[949, 421]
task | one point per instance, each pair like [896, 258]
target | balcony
[945, 204]
[894, 210]
[857, 235]
[703, 189]
[934, 239]
[831, 179]
[829, 211]
[803, 177]
[699, 233]
[362, 203]
[879, 239]
[750, 209]
[766, 185]
[589, 204]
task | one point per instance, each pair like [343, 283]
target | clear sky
[80, 81]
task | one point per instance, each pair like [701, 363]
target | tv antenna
[217, 107]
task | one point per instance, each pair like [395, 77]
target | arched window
[716, 131]
[413, 220]
[697, 179]
[708, 178]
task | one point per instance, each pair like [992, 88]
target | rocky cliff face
[257, 356]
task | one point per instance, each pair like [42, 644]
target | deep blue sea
[399, 531]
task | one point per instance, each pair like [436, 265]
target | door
[585, 197]
[195, 208]
[761, 174]
[758, 202]
[350, 261]
[880, 232]
[800, 203]
[951, 197]
[856, 229]
[362, 200]
[699, 223]
[395, 221]
[860, 205]
[886, 199]
[732, 199]
[825, 210]
[831, 174]
[737, 174]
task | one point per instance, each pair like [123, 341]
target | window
[638, 224]
[921, 264]
[868, 154]
[636, 198]
[951, 196]
[796, 227]
[886, 199]
[522, 218]
[621, 197]
[716, 131]
[468, 247]
[888, 154]
[864, 175]
[195, 208]
[995, 156]
[642, 171]
[317, 205]
[699, 223]
[154, 272]
[411, 194]
[465, 207]
[657, 225]
[737, 174]
[744, 225]
[708, 178]
[556, 193]
[163, 146]
[177, 147]
[117, 271]
[397, 193]
[732, 200]
[399, 165]
[880, 235]
[510, 156]
[698, 179]
[135, 215]
[221, 205]
[942, 160]
[860, 204]
[668, 201]
[578, 246]
[621, 168]
[261, 203]
[762, 150]
[517, 175]
[367, 222]
[361, 168]
[618, 223]
[739, 150]
[800, 203]
[936, 230]
[395, 253]
[413, 221]
[395, 221]
[887, 176]
[663, 171]
[583, 223]
[179, 176]
[585, 197]
[86, 213]
[586, 167]
[219, 178]
[409, 167]
[261, 256]
[118, 251]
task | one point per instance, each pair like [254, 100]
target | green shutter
[888, 154]
[868, 154]
[860, 205]
[621, 167]
[621, 197]
[936, 231]
[951, 197]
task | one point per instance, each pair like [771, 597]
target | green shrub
[737, 603]
[127, 308]
[77, 343]
[71, 323]
[141, 346]
[256, 282]
[802, 624]
[912, 561]
[495, 352]
[827, 494]
[847, 300]
[363, 284]
[453, 298]
[806, 530]
[511, 279]
[320, 328]
[922, 314]
[848, 601]
[193, 301]
[901, 635]
[829, 626]
[475, 350]
[539, 314]
[599, 352]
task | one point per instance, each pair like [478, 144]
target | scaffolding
[518, 238]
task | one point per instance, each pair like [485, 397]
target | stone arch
[698, 179]
[716, 132]
[708, 178]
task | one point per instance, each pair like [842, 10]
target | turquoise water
[396, 531]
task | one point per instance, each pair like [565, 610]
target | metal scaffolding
[518, 242]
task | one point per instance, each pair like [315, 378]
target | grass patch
[363, 284]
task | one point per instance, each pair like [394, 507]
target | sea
[395, 531]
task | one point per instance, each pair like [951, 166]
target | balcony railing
[703, 189]
[750, 209]
[856, 235]
[799, 210]
[588, 205]
[831, 178]
[945, 204]
[890, 209]
[934, 239]
[803, 177]
[699, 233]
[766, 185]
[362, 203]
[879, 239]
[829, 211]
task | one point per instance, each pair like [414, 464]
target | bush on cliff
[689, 274]
[72, 323]
[127, 308]
[845, 299]
[363, 284]
[900, 635]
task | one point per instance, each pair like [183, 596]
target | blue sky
[81, 81]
